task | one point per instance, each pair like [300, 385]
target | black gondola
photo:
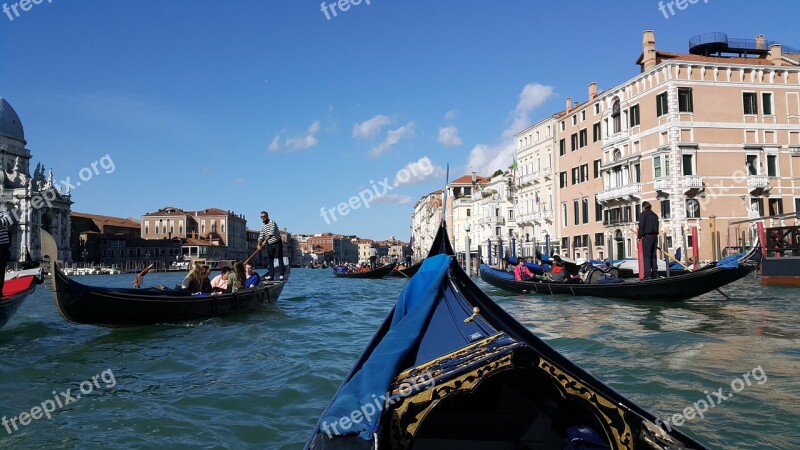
[17, 287]
[673, 288]
[450, 369]
[406, 272]
[93, 305]
[378, 272]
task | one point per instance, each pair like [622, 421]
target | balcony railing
[615, 138]
[620, 193]
[794, 150]
[757, 183]
[692, 183]
[526, 218]
[492, 220]
[547, 172]
[661, 184]
[527, 178]
[462, 201]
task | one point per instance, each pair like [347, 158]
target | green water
[261, 380]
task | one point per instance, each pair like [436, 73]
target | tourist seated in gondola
[521, 272]
[236, 278]
[205, 286]
[252, 277]
[558, 273]
[193, 282]
[220, 282]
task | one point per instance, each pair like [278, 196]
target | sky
[250, 105]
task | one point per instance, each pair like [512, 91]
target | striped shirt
[269, 233]
[6, 220]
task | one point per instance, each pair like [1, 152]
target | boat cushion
[14, 286]
[411, 313]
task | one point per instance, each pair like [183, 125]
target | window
[666, 165]
[596, 131]
[584, 138]
[775, 206]
[637, 173]
[562, 147]
[598, 210]
[562, 180]
[565, 244]
[766, 103]
[752, 164]
[585, 173]
[510, 215]
[665, 210]
[585, 210]
[577, 211]
[634, 116]
[615, 116]
[688, 164]
[563, 125]
[637, 211]
[575, 175]
[563, 214]
[750, 102]
[574, 141]
[596, 168]
[685, 100]
[692, 208]
[596, 108]
[662, 107]
[583, 115]
[759, 204]
[469, 212]
[772, 165]
[574, 119]
[599, 239]
[657, 166]
[797, 205]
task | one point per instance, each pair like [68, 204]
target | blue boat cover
[498, 273]
[730, 262]
[368, 386]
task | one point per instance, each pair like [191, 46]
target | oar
[687, 268]
[258, 249]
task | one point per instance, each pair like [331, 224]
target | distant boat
[379, 272]
[17, 287]
[406, 272]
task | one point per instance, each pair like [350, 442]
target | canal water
[261, 380]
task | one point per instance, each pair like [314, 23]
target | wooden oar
[687, 268]
[258, 249]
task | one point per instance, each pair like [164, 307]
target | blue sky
[251, 105]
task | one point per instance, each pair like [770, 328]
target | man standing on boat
[648, 236]
[271, 237]
[6, 221]
[373, 258]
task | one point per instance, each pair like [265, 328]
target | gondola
[673, 288]
[116, 307]
[450, 369]
[406, 272]
[16, 288]
[376, 273]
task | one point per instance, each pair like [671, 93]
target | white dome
[10, 125]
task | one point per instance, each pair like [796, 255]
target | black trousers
[373, 262]
[650, 263]
[275, 251]
[5, 255]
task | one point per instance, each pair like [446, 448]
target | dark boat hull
[406, 272]
[490, 383]
[91, 305]
[674, 288]
[377, 273]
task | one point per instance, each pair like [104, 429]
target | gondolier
[6, 221]
[648, 236]
[270, 237]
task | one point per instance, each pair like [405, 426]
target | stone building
[37, 201]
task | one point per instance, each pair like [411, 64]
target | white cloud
[307, 141]
[487, 158]
[449, 136]
[451, 115]
[395, 199]
[419, 171]
[371, 127]
[393, 137]
[275, 145]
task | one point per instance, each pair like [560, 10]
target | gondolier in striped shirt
[270, 237]
[6, 221]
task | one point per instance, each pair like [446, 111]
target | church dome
[10, 125]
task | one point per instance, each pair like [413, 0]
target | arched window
[615, 116]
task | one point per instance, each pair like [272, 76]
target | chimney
[569, 103]
[648, 50]
[776, 55]
[760, 44]
[592, 91]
